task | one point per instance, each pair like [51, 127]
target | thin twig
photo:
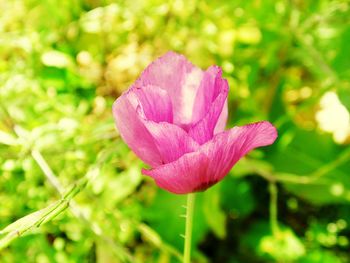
[322, 16]
[120, 252]
[36, 219]
[274, 209]
[47, 170]
[304, 179]
[49, 174]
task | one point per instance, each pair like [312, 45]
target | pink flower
[173, 117]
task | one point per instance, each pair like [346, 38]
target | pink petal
[203, 131]
[172, 141]
[221, 124]
[133, 131]
[137, 114]
[181, 176]
[155, 103]
[199, 170]
[206, 93]
[229, 146]
[180, 78]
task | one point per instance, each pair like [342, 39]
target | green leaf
[213, 213]
[327, 179]
[237, 196]
[165, 217]
[285, 247]
[122, 185]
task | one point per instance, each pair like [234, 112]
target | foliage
[62, 63]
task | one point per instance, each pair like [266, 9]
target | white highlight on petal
[188, 93]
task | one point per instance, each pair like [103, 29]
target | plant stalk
[189, 224]
[273, 209]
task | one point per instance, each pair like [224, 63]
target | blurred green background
[63, 63]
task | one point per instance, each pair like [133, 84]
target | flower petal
[180, 78]
[133, 131]
[181, 176]
[172, 141]
[228, 147]
[221, 123]
[206, 93]
[155, 103]
[203, 130]
[199, 170]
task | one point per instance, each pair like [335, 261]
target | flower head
[173, 117]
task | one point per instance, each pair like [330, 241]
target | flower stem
[273, 209]
[188, 232]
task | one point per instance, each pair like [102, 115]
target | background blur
[63, 63]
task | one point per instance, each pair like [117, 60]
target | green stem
[273, 209]
[189, 222]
